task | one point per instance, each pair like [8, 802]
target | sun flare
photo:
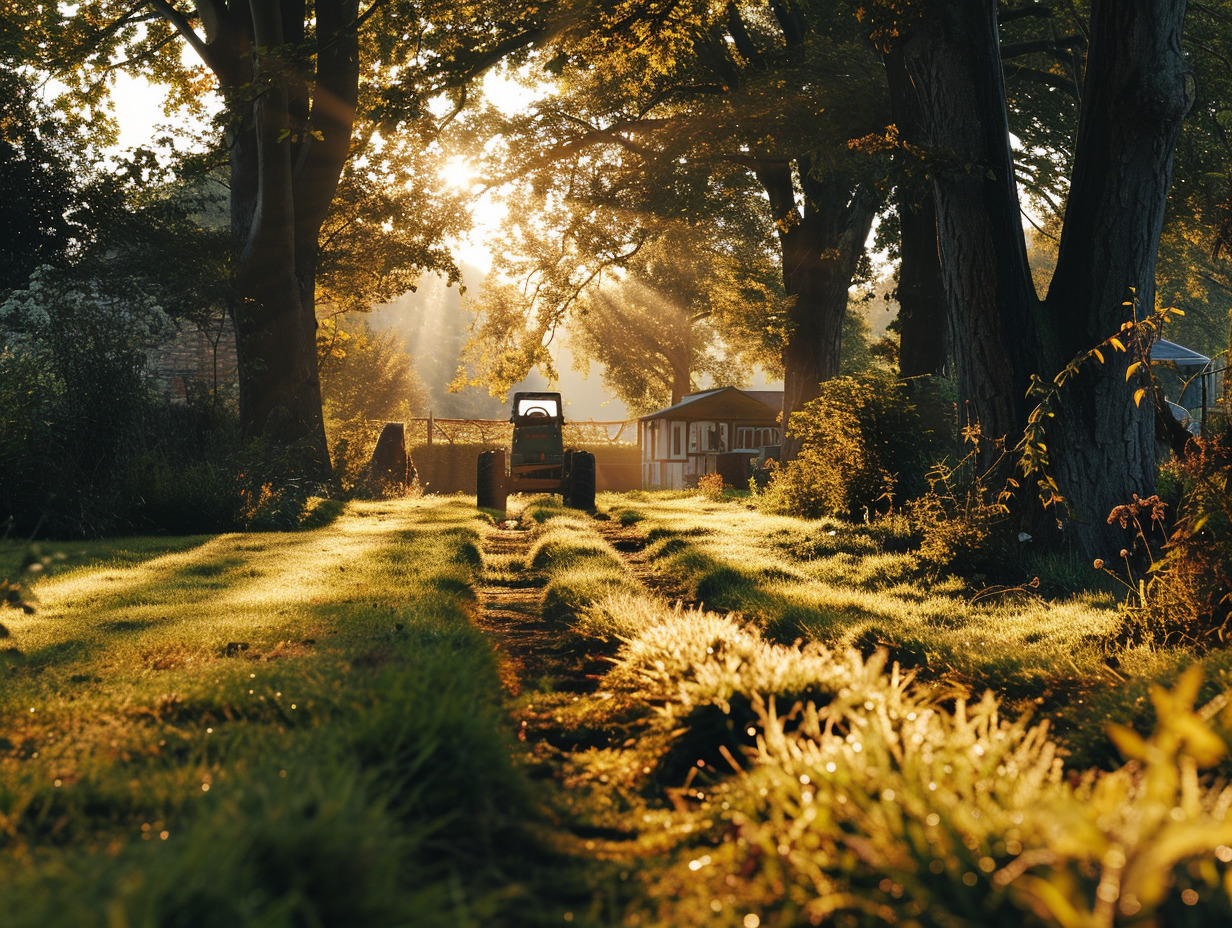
[458, 173]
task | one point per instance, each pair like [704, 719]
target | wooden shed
[716, 431]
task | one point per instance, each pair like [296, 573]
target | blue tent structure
[1187, 377]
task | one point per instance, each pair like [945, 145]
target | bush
[194, 499]
[961, 521]
[866, 444]
[74, 407]
[1191, 593]
[711, 486]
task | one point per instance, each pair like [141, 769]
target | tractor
[538, 459]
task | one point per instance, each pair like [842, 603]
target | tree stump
[390, 471]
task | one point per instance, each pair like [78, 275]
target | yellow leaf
[1116, 343]
[1129, 371]
[1138, 395]
[1131, 744]
[1098, 354]
[1173, 309]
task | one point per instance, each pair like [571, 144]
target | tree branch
[1036, 76]
[181, 24]
[1067, 43]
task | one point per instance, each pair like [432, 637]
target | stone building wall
[190, 358]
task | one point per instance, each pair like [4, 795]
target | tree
[681, 312]
[1134, 97]
[745, 106]
[367, 379]
[290, 76]
[1193, 271]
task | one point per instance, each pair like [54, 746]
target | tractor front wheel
[490, 492]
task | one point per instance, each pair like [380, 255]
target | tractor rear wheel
[580, 489]
[490, 492]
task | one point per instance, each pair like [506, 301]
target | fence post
[431, 428]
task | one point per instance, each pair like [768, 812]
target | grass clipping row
[825, 787]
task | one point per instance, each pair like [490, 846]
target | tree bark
[1100, 444]
[288, 142]
[1135, 98]
[952, 57]
[821, 248]
[923, 349]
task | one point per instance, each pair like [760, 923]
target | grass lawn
[825, 733]
[265, 729]
[309, 728]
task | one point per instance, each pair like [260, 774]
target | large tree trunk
[953, 59]
[1100, 445]
[1134, 101]
[821, 249]
[288, 147]
[923, 349]
[922, 326]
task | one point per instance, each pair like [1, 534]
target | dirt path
[534, 652]
[529, 647]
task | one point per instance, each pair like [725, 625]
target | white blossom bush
[73, 396]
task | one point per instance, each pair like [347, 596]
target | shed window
[703, 436]
[750, 439]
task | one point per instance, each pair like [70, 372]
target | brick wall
[191, 356]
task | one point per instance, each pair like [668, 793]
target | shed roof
[723, 403]
[1178, 355]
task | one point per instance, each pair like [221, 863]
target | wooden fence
[444, 451]
[431, 431]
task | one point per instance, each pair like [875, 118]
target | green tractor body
[538, 461]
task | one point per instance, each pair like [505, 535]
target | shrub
[74, 407]
[711, 486]
[192, 499]
[866, 444]
[962, 522]
[1191, 593]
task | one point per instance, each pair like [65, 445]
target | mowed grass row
[737, 780]
[1065, 645]
[266, 729]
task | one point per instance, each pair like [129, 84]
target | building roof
[725, 403]
[1177, 355]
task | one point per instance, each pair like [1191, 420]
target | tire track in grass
[533, 652]
[536, 652]
[631, 543]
